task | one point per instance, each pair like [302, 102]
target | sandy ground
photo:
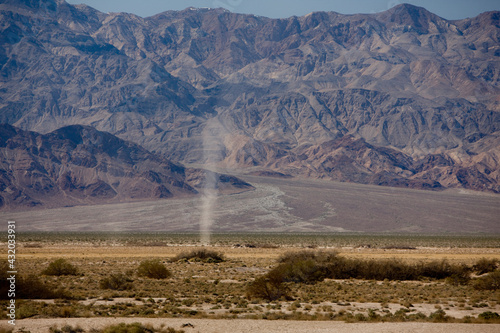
[246, 325]
[462, 255]
[277, 205]
[251, 326]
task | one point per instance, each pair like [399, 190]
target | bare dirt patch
[213, 296]
[237, 326]
[286, 205]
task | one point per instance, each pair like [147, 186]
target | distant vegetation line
[263, 240]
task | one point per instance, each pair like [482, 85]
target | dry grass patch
[490, 281]
[153, 269]
[198, 289]
[60, 267]
[202, 255]
[118, 328]
[117, 281]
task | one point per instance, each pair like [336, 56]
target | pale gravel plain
[279, 206]
[263, 326]
[285, 205]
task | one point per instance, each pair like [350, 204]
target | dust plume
[213, 152]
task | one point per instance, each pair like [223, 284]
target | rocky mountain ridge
[77, 165]
[399, 98]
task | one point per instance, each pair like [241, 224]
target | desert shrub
[441, 270]
[138, 328]
[391, 269]
[485, 265]
[458, 279]
[311, 267]
[297, 267]
[203, 255]
[153, 269]
[66, 329]
[488, 315]
[32, 287]
[322, 257]
[439, 316]
[458, 275]
[488, 282]
[26, 310]
[269, 288]
[398, 247]
[300, 271]
[116, 282]
[60, 267]
[306, 266]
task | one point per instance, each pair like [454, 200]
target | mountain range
[398, 98]
[79, 165]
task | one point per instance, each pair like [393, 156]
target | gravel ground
[250, 326]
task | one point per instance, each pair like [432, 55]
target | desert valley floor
[253, 230]
[286, 205]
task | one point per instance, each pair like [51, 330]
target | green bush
[116, 282]
[317, 256]
[60, 267]
[32, 287]
[488, 282]
[305, 266]
[439, 316]
[441, 270]
[153, 269]
[485, 265]
[311, 267]
[390, 269]
[488, 315]
[300, 271]
[26, 311]
[202, 255]
[297, 267]
[269, 287]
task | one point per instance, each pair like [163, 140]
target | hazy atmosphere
[302, 168]
[285, 8]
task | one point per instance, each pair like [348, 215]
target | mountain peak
[409, 9]
[418, 18]
[261, 89]
[50, 5]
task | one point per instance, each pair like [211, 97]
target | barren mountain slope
[246, 91]
[80, 165]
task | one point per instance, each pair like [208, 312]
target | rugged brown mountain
[80, 165]
[398, 98]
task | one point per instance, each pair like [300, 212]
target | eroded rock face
[80, 165]
[399, 98]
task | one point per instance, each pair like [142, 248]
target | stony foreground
[237, 326]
